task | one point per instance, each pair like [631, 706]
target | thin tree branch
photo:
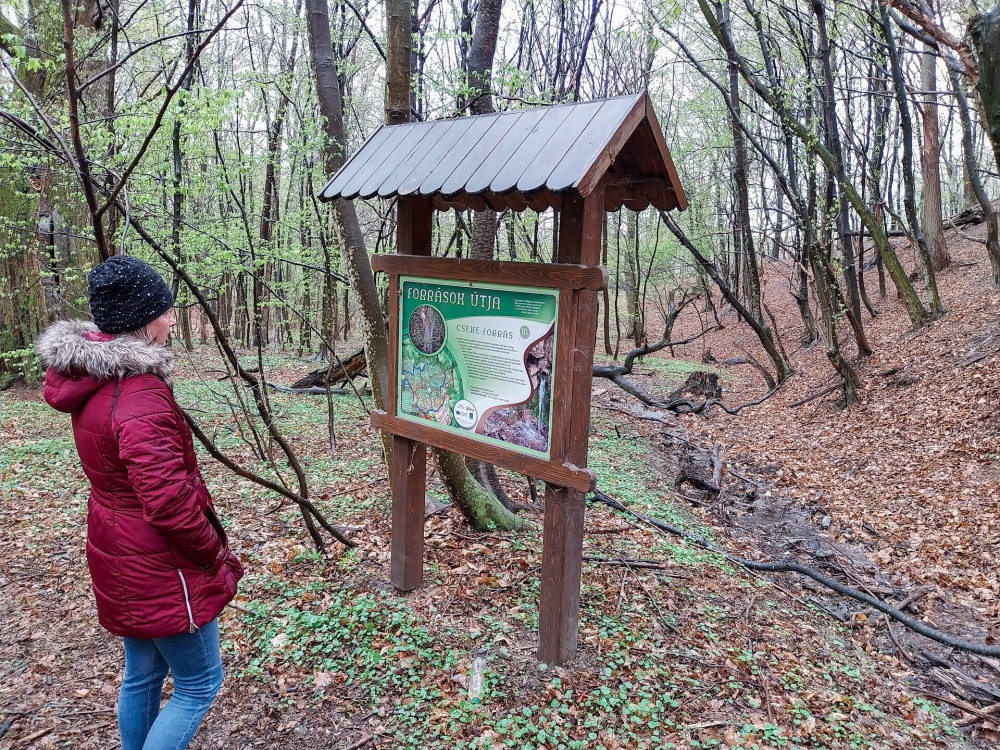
[171, 91]
[98, 76]
[364, 25]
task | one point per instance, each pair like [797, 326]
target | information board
[477, 359]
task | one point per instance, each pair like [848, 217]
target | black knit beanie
[126, 294]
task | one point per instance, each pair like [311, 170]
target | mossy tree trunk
[480, 506]
[984, 30]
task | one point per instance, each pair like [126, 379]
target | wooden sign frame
[565, 277]
[583, 161]
[579, 278]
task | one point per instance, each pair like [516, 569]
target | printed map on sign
[477, 359]
[431, 384]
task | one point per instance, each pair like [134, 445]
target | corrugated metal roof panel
[448, 143]
[480, 130]
[413, 135]
[547, 128]
[593, 142]
[420, 153]
[491, 161]
[555, 150]
[524, 157]
[379, 154]
[354, 165]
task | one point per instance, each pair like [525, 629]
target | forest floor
[679, 647]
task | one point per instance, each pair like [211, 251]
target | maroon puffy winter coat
[158, 556]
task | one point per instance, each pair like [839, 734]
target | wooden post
[562, 542]
[409, 458]
[409, 478]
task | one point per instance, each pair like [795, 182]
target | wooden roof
[520, 159]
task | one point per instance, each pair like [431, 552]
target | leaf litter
[678, 648]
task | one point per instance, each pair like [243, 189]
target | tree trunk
[930, 159]
[480, 68]
[481, 54]
[178, 168]
[817, 260]
[879, 115]
[606, 294]
[984, 30]
[971, 169]
[480, 506]
[482, 509]
[746, 258]
[810, 334]
[359, 268]
[399, 50]
[909, 197]
[634, 319]
[832, 131]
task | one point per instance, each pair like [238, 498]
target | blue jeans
[196, 665]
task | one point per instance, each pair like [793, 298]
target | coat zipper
[187, 602]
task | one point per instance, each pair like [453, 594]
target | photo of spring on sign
[527, 424]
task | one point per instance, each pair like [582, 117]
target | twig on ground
[958, 680]
[992, 714]
[360, 743]
[310, 391]
[902, 651]
[621, 589]
[917, 594]
[618, 530]
[628, 563]
[838, 616]
[652, 600]
[818, 394]
[979, 714]
[32, 738]
[767, 692]
[525, 574]
[748, 480]
[991, 663]
[87, 729]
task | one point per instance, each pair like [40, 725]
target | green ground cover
[693, 654]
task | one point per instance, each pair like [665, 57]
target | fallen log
[349, 368]
[818, 394]
[970, 215]
[313, 390]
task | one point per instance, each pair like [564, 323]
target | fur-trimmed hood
[77, 350]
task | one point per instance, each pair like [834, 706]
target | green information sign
[477, 359]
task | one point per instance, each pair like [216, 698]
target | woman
[158, 557]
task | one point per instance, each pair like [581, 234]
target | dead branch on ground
[789, 566]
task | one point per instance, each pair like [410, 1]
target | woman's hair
[141, 334]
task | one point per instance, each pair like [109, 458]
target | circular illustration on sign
[426, 329]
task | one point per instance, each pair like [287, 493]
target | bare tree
[909, 197]
[930, 159]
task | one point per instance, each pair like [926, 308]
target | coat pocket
[216, 524]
